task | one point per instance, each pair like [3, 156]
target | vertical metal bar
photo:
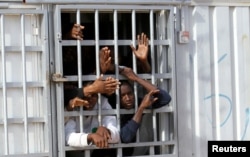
[6, 148]
[46, 26]
[97, 49]
[133, 18]
[171, 60]
[79, 67]
[59, 86]
[216, 102]
[151, 19]
[235, 78]
[162, 64]
[79, 52]
[151, 150]
[97, 45]
[115, 20]
[195, 98]
[24, 82]
[134, 41]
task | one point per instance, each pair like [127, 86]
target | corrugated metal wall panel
[213, 74]
[25, 126]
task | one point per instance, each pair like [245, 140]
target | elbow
[125, 140]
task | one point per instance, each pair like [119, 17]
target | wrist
[109, 131]
[70, 106]
[88, 90]
[141, 108]
[89, 139]
[112, 67]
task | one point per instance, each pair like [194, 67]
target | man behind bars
[130, 123]
[93, 133]
[155, 98]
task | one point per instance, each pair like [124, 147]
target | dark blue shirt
[129, 127]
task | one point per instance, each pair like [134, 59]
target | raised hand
[78, 102]
[76, 32]
[105, 59]
[142, 52]
[149, 98]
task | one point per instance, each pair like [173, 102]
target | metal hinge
[59, 78]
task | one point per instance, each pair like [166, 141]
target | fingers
[79, 102]
[101, 142]
[151, 95]
[103, 50]
[145, 40]
[112, 83]
[100, 78]
[142, 39]
[153, 92]
[138, 40]
[105, 59]
[104, 136]
[132, 48]
[108, 61]
[77, 31]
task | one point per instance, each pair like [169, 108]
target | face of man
[92, 99]
[127, 97]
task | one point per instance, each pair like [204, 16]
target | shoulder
[105, 104]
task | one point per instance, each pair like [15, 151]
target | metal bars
[23, 83]
[6, 141]
[115, 15]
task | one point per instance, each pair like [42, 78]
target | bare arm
[147, 101]
[129, 73]
[107, 86]
[76, 102]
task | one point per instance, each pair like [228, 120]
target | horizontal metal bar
[160, 143]
[218, 3]
[114, 111]
[20, 84]
[109, 42]
[58, 78]
[27, 155]
[19, 48]
[111, 7]
[120, 77]
[21, 120]
[20, 11]
[111, 1]
[85, 78]
[4, 5]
